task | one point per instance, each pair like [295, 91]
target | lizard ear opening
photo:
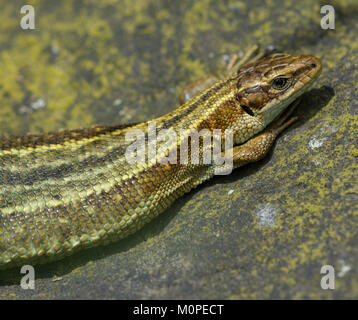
[247, 110]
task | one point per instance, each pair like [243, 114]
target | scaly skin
[64, 191]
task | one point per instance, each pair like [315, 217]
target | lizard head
[266, 87]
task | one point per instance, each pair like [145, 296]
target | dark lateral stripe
[46, 172]
[53, 138]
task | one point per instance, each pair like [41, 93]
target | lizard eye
[280, 83]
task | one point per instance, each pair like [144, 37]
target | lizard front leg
[257, 147]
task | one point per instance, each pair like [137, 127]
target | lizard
[64, 191]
